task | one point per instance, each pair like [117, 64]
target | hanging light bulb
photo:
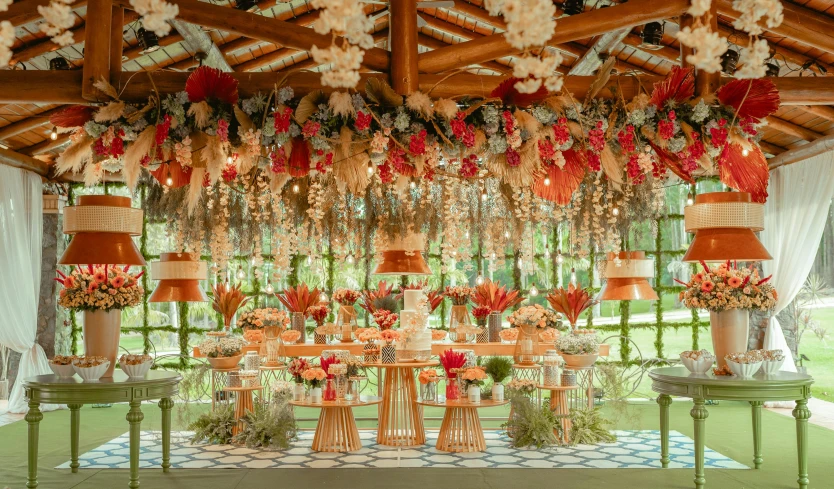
[169, 181]
[412, 184]
[323, 298]
[370, 168]
[615, 211]
[483, 195]
[689, 199]
[520, 262]
[546, 181]
[573, 276]
[53, 135]
[349, 259]
[295, 188]
[253, 260]
[467, 234]
[745, 152]
[479, 280]
[229, 159]
[559, 257]
[309, 260]
[492, 256]
[240, 273]
[546, 252]
[506, 234]
[534, 291]
[269, 289]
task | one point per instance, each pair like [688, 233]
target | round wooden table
[243, 403]
[400, 417]
[784, 386]
[75, 392]
[461, 429]
[559, 407]
[336, 430]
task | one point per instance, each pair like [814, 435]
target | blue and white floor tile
[633, 449]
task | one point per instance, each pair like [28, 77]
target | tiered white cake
[415, 342]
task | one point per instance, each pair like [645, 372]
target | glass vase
[459, 316]
[341, 385]
[526, 344]
[428, 392]
[329, 393]
[347, 321]
[452, 390]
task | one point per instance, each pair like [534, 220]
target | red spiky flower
[679, 85]
[210, 83]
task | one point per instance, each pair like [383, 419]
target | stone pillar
[758, 325]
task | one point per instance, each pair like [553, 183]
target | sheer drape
[21, 233]
[795, 214]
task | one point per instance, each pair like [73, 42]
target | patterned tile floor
[633, 449]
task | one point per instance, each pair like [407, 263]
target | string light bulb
[546, 252]
[689, 199]
[269, 289]
[573, 276]
[349, 259]
[506, 234]
[559, 258]
[53, 135]
[615, 211]
[370, 168]
[546, 181]
[479, 280]
[412, 184]
[309, 260]
[520, 262]
[295, 188]
[229, 160]
[323, 298]
[745, 152]
[240, 273]
[169, 181]
[534, 291]
[483, 195]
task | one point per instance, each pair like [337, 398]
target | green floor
[728, 432]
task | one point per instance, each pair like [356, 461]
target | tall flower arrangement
[226, 300]
[299, 299]
[571, 302]
[495, 296]
[99, 288]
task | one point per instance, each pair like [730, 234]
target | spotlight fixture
[483, 195]
[546, 252]
[772, 68]
[59, 63]
[53, 134]
[148, 41]
[729, 61]
[573, 7]
[246, 5]
[412, 184]
[652, 36]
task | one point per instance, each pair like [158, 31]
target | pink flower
[223, 130]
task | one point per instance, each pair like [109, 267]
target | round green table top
[783, 386]
[153, 377]
[680, 375]
[156, 384]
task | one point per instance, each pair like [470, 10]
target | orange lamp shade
[724, 224]
[401, 262]
[628, 281]
[102, 226]
[179, 276]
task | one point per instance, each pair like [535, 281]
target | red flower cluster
[690, 156]
[462, 132]
[626, 139]
[469, 167]
[162, 130]
[546, 151]
[363, 121]
[594, 161]
[718, 135]
[513, 158]
[509, 123]
[561, 133]
[282, 120]
[385, 172]
[279, 161]
[114, 148]
[417, 143]
[635, 174]
[223, 130]
[311, 128]
[596, 138]
[229, 173]
[323, 163]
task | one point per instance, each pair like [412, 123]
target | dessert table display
[460, 430]
[400, 417]
[336, 430]
[560, 407]
[782, 386]
[74, 392]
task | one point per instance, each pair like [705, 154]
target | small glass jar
[329, 393]
[452, 390]
[428, 392]
[552, 361]
[568, 378]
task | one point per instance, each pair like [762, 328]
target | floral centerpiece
[480, 313]
[578, 350]
[298, 300]
[571, 302]
[438, 335]
[458, 294]
[452, 361]
[262, 317]
[428, 375]
[346, 298]
[385, 319]
[290, 336]
[521, 387]
[728, 293]
[370, 350]
[389, 336]
[314, 377]
[318, 313]
[497, 299]
[253, 336]
[226, 300]
[473, 378]
[530, 321]
[223, 352]
[296, 368]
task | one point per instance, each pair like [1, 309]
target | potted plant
[223, 353]
[578, 350]
[728, 293]
[498, 368]
[101, 291]
[473, 378]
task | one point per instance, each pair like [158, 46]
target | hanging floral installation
[318, 169]
[7, 36]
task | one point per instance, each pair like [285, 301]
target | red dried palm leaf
[571, 302]
[180, 177]
[671, 162]
[73, 116]
[207, 82]
[679, 85]
[750, 98]
[744, 173]
[299, 299]
[494, 296]
[369, 296]
[299, 164]
[563, 181]
[510, 96]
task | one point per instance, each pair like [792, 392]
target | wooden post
[404, 50]
[686, 21]
[116, 41]
[707, 83]
[96, 47]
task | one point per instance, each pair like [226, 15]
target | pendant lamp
[102, 226]
[179, 275]
[403, 257]
[627, 282]
[724, 223]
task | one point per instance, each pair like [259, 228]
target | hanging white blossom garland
[346, 18]
[7, 35]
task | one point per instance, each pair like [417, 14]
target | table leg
[664, 401]
[559, 407]
[134, 417]
[166, 404]
[699, 413]
[33, 418]
[243, 404]
[461, 431]
[401, 419]
[75, 428]
[757, 433]
[336, 431]
[802, 414]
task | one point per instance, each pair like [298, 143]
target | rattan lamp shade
[102, 226]
[628, 282]
[179, 276]
[400, 262]
[724, 224]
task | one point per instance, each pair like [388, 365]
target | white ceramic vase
[498, 392]
[474, 393]
[315, 395]
[298, 392]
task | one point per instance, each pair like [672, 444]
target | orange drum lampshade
[403, 257]
[179, 276]
[628, 280]
[102, 226]
[724, 224]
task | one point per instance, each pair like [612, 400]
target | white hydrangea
[752, 11]
[58, 18]
[529, 22]
[699, 7]
[156, 14]
[533, 71]
[529, 85]
[345, 64]
[347, 18]
[752, 59]
[6, 42]
[708, 45]
[494, 7]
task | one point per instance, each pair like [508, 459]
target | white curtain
[21, 233]
[795, 214]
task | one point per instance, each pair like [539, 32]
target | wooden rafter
[786, 127]
[96, 48]
[17, 160]
[27, 124]
[404, 52]
[592, 59]
[26, 11]
[818, 147]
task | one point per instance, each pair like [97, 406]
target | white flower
[344, 72]
[530, 85]
[752, 59]
[58, 18]
[699, 7]
[341, 104]
[529, 22]
[708, 45]
[494, 7]
[156, 14]
[345, 17]
[752, 11]
[554, 83]
[7, 38]
[419, 102]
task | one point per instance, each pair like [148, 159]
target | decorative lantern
[627, 281]
[102, 226]
[404, 257]
[724, 223]
[179, 275]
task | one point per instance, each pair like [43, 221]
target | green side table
[74, 392]
[784, 386]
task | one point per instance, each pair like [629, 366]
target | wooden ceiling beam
[17, 160]
[96, 48]
[26, 11]
[815, 148]
[27, 124]
[45, 146]
[823, 111]
[582, 26]
[136, 51]
[606, 43]
[433, 43]
[403, 21]
[667, 53]
[199, 41]
[265, 28]
[792, 129]
[771, 148]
